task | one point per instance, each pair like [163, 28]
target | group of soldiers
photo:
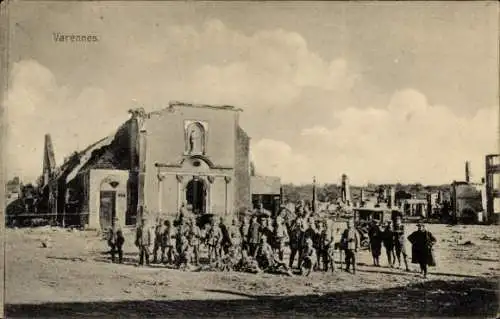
[391, 236]
[258, 242]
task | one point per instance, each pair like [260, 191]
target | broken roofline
[81, 153]
[172, 104]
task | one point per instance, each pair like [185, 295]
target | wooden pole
[314, 195]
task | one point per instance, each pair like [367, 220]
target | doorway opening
[196, 192]
[107, 209]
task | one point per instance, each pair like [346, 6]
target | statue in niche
[196, 139]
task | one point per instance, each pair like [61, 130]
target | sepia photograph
[250, 159]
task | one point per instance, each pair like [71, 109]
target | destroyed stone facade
[184, 155]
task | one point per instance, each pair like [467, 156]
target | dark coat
[388, 238]
[310, 233]
[295, 237]
[375, 235]
[116, 236]
[421, 247]
[244, 231]
[254, 233]
[226, 237]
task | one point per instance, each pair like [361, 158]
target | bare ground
[74, 278]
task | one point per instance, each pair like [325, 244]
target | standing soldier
[295, 240]
[181, 231]
[167, 243]
[281, 237]
[328, 246]
[143, 242]
[159, 230]
[305, 233]
[253, 236]
[350, 240]
[225, 242]
[399, 242]
[267, 230]
[183, 256]
[116, 241]
[194, 237]
[375, 236]
[244, 233]
[318, 241]
[388, 240]
[214, 238]
[234, 234]
[183, 212]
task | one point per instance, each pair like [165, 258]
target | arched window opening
[195, 139]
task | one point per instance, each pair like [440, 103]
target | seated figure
[308, 258]
[268, 261]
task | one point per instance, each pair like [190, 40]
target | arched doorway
[196, 194]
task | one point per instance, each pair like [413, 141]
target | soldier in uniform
[350, 242]
[167, 243]
[253, 236]
[375, 236]
[226, 242]
[308, 258]
[214, 238]
[183, 212]
[235, 236]
[327, 246]
[183, 256]
[388, 241]
[182, 230]
[143, 242]
[247, 264]
[245, 225]
[281, 236]
[194, 237]
[159, 230]
[317, 241]
[295, 240]
[116, 241]
[399, 243]
[267, 229]
[266, 259]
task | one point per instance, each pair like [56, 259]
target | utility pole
[314, 195]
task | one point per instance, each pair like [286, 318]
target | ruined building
[492, 187]
[185, 154]
[467, 199]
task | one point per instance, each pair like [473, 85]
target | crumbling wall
[242, 198]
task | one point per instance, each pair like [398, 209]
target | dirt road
[73, 277]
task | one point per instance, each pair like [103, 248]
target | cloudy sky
[388, 92]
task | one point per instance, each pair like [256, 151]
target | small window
[196, 163]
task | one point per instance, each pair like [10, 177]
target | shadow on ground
[474, 297]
